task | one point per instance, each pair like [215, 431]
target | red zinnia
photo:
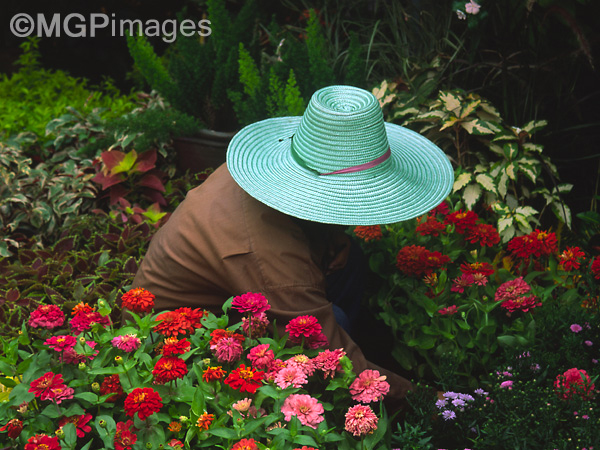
[213, 373]
[45, 386]
[442, 209]
[42, 442]
[181, 321]
[80, 422]
[574, 382]
[547, 242]
[174, 346]
[303, 327]
[112, 385]
[462, 220]
[250, 302]
[570, 258]
[369, 232]
[595, 269]
[138, 300]
[144, 401]
[483, 233]
[124, 437]
[431, 226]
[169, 368]
[449, 310]
[245, 379]
[483, 268]
[13, 428]
[415, 260]
[245, 444]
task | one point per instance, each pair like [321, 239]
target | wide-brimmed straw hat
[340, 163]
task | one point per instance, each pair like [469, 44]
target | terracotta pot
[202, 151]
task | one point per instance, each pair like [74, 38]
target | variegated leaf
[563, 212]
[471, 195]
[523, 223]
[526, 211]
[461, 181]
[508, 234]
[496, 149]
[529, 147]
[563, 188]
[510, 171]
[534, 125]
[469, 108]
[510, 150]
[486, 182]
[528, 170]
[451, 102]
[503, 185]
[504, 223]
[449, 123]
[490, 109]
[479, 127]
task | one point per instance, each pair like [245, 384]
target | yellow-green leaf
[526, 211]
[503, 185]
[504, 223]
[469, 108]
[478, 127]
[534, 125]
[510, 171]
[449, 123]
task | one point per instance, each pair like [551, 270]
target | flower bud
[119, 359]
[81, 340]
[102, 423]
[96, 387]
[183, 419]
[149, 445]
[60, 434]
[82, 366]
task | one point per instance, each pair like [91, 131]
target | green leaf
[227, 433]
[461, 181]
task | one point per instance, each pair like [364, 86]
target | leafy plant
[33, 95]
[499, 167]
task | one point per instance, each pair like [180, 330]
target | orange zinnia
[138, 300]
[204, 421]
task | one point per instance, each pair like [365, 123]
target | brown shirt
[221, 242]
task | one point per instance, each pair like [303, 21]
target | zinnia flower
[124, 436]
[329, 362]
[112, 385]
[576, 328]
[61, 343]
[484, 234]
[459, 284]
[80, 422]
[302, 326]
[13, 428]
[570, 258]
[303, 362]
[255, 326]
[173, 346]
[228, 350]
[180, 321]
[290, 376]
[361, 420]
[213, 374]
[511, 293]
[483, 268]
[169, 368]
[84, 319]
[245, 444]
[369, 232]
[138, 300]
[574, 382]
[126, 342]
[369, 386]
[245, 379]
[306, 408]
[442, 209]
[250, 302]
[414, 260]
[42, 442]
[462, 220]
[431, 226]
[449, 310]
[595, 268]
[48, 386]
[144, 402]
[47, 316]
[261, 356]
[205, 420]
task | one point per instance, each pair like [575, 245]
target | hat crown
[342, 127]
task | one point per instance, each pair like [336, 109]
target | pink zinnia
[510, 294]
[361, 420]
[303, 362]
[520, 304]
[256, 325]
[228, 350]
[303, 326]
[290, 376]
[329, 362]
[459, 284]
[369, 386]
[47, 316]
[449, 310]
[126, 342]
[506, 384]
[70, 356]
[261, 356]
[61, 343]
[42, 387]
[250, 302]
[306, 408]
[576, 328]
[318, 340]
[83, 321]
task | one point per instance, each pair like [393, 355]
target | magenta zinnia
[329, 362]
[261, 356]
[574, 383]
[126, 342]
[511, 295]
[47, 316]
[228, 350]
[250, 302]
[50, 386]
[306, 408]
[369, 386]
[360, 420]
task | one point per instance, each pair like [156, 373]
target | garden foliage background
[492, 297]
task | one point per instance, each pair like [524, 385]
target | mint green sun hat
[340, 163]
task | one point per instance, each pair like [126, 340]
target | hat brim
[418, 176]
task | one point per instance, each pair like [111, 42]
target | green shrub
[33, 95]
